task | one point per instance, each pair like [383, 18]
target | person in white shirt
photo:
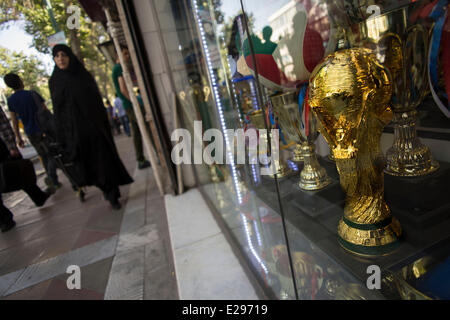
[120, 112]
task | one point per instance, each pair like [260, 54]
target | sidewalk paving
[35, 255]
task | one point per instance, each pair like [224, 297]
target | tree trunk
[74, 41]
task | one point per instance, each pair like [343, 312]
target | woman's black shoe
[115, 204]
[112, 196]
[43, 199]
[8, 226]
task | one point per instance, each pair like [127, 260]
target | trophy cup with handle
[401, 46]
[287, 111]
[282, 169]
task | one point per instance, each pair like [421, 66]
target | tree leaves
[29, 68]
[39, 26]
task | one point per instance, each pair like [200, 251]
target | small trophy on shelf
[299, 125]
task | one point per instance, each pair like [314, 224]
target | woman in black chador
[82, 127]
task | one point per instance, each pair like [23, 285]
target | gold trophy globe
[349, 94]
[401, 47]
[286, 109]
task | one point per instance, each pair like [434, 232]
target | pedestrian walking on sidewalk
[25, 104]
[120, 112]
[113, 120]
[82, 126]
[16, 174]
[122, 93]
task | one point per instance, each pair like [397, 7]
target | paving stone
[53, 267]
[133, 220]
[137, 238]
[90, 236]
[106, 220]
[36, 292]
[156, 255]
[156, 212]
[94, 276]
[7, 281]
[160, 284]
[38, 250]
[126, 280]
[35, 255]
[58, 290]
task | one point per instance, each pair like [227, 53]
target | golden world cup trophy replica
[349, 94]
[287, 111]
[402, 47]
[282, 170]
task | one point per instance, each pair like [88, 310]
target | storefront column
[137, 110]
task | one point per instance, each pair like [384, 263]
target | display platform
[421, 204]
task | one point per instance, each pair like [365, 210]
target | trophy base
[314, 184]
[313, 176]
[395, 168]
[370, 240]
[408, 157]
[283, 171]
[423, 211]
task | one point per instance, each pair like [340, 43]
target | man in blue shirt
[23, 104]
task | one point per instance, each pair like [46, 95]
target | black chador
[82, 128]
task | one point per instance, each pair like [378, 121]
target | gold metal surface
[408, 275]
[349, 94]
[298, 153]
[401, 47]
[286, 110]
[313, 176]
[206, 91]
[370, 238]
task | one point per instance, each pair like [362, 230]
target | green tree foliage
[29, 68]
[83, 41]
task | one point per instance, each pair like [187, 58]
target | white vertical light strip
[255, 174]
[258, 235]
[227, 140]
[250, 244]
[236, 101]
[253, 92]
[218, 103]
